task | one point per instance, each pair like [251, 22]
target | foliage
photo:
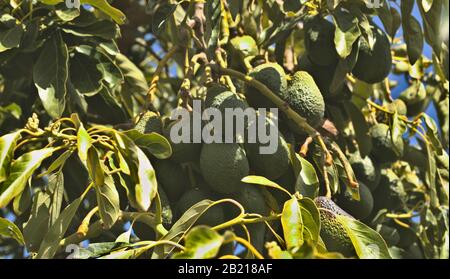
[75, 81]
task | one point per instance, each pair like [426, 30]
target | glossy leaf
[108, 202]
[291, 220]
[10, 230]
[21, 170]
[367, 242]
[201, 243]
[7, 145]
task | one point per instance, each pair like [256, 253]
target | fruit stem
[156, 75]
[328, 157]
[280, 103]
[305, 147]
[327, 182]
[347, 168]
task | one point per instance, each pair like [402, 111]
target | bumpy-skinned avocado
[384, 149]
[373, 65]
[398, 106]
[223, 166]
[365, 170]
[271, 75]
[149, 122]
[251, 198]
[332, 232]
[212, 217]
[273, 165]
[390, 192]
[304, 97]
[416, 99]
[322, 75]
[212, 93]
[244, 46]
[319, 41]
[184, 151]
[171, 177]
[359, 209]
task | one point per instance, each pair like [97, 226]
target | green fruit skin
[322, 75]
[183, 152]
[365, 170]
[399, 106]
[271, 75]
[383, 149]
[171, 177]
[148, 123]
[212, 217]
[390, 192]
[223, 166]
[319, 41]
[374, 65]
[215, 95]
[271, 166]
[305, 98]
[332, 232]
[389, 234]
[251, 198]
[359, 209]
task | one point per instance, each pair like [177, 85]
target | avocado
[271, 75]
[389, 234]
[322, 75]
[319, 41]
[212, 217]
[398, 106]
[244, 46]
[223, 166]
[359, 209]
[171, 178]
[383, 149]
[149, 122]
[373, 65]
[271, 166]
[390, 192]
[365, 170]
[183, 152]
[252, 199]
[304, 97]
[416, 99]
[332, 232]
[167, 213]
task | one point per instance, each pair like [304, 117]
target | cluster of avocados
[214, 170]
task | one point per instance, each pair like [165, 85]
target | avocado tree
[88, 151]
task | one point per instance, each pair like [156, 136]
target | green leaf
[21, 171]
[291, 220]
[361, 128]
[367, 242]
[146, 189]
[50, 244]
[7, 145]
[56, 191]
[11, 36]
[213, 13]
[36, 227]
[84, 75]
[307, 181]
[179, 229]
[161, 17]
[431, 11]
[201, 243]
[311, 219]
[104, 29]
[398, 128]
[84, 143]
[94, 167]
[10, 230]
[262, 181]
[108, 202]
[59, 162]
[105, 7]
[50, 74]
[346, 33]
[155, 143]
[67, 14]
[412, 31]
